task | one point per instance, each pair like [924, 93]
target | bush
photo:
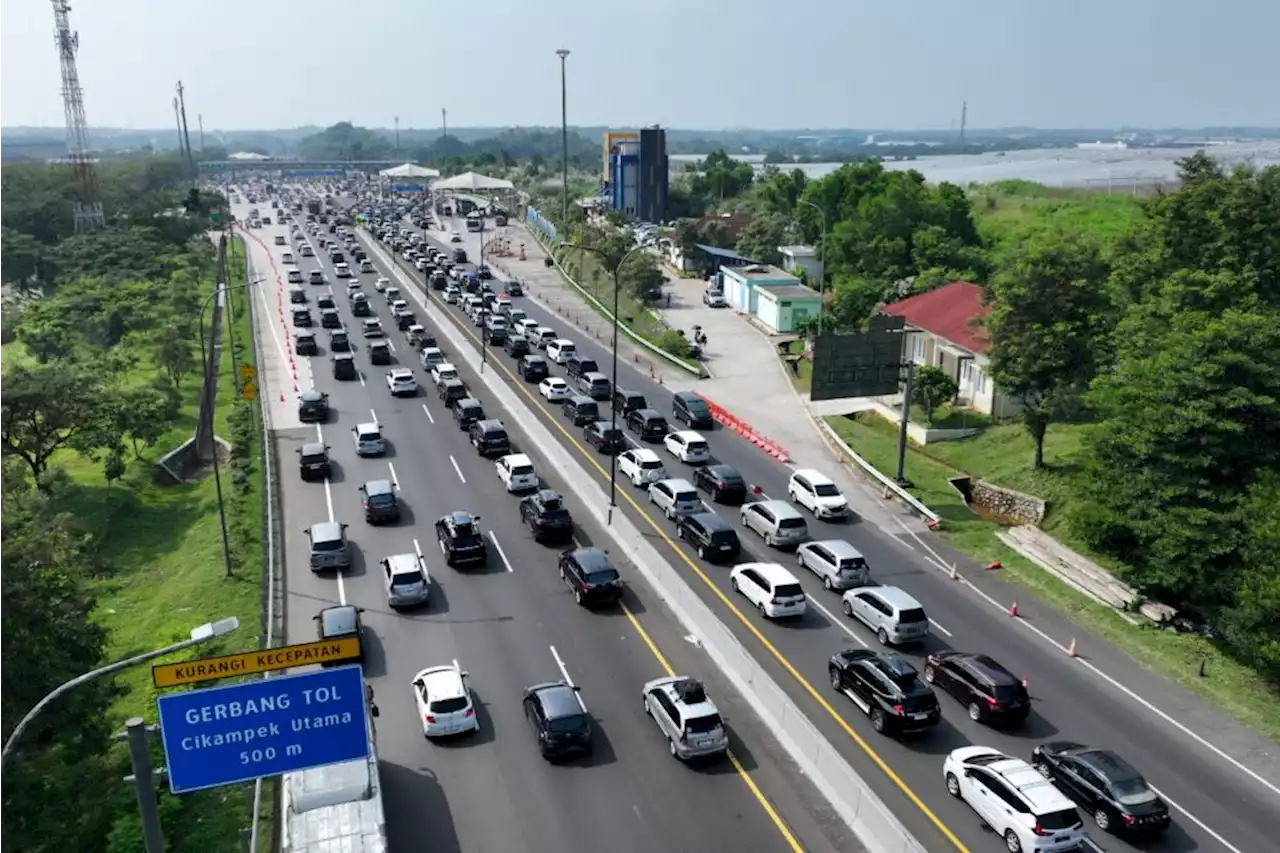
[674, 343]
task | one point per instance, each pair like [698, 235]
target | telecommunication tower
[88, 210]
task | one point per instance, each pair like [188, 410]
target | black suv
[329, 318]
[344, 366]
[379, 352]
[711, 536]
[513, 288]
[460, 538]
[648, 424]
[533, 368]
[547, 516]
[467, 411]
[722, 482]
[887, 687]
[577, 366]
[313, 460]
[313, 407]
[581, 410]
[627, 402]
[517, 346]
[692, 409]
[590, 574]
[990, 693]
[339, 341]
[378, 500]
[304, 343]
[604, 437]
[361, 308]
[489, 438]
[561, 725]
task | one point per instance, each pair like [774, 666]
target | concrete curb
[866, 815]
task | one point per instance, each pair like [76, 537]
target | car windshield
[602, 576]
[1132, 792]
[702, 725]
[576, 724]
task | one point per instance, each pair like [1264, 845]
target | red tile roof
[952, 312]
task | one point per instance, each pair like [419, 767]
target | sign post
[224, 735]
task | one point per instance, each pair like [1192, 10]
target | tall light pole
[397, 137]
[613, 408]
[563, 53]
[822, 254]
[136, 731]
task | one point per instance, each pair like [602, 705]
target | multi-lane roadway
[509, 625]
[1217, 801]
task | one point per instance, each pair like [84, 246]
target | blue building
[638, 174]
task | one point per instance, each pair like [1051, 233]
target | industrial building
[637, 173]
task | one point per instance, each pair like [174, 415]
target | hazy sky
[681, 63]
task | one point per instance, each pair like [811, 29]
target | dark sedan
[722, 482]
[1116, 794]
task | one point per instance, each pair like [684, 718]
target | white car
[451, 294]
[372, 328]
[286, 258]
[368, 439]
[561, 350]
[528, 327]
[341, 270]
[306, 251]
[688, 446]
[444, 701]
[402, 382]
[381, 284]
[442, 371]
[366, 266]
[817, 493]
[554, 389]
[641, 466]
[516, 472]
[353, 286]
[406, 580]
[455, 237]
[1011, 797]
[430, 357]
[543, 337]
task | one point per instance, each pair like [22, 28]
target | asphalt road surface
[1217, 803]
[510, 625]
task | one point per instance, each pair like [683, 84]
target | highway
[511, 625]
[1216, 803]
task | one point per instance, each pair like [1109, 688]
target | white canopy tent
[472, 182]
[409, 170]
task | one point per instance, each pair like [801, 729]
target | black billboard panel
[859, 363]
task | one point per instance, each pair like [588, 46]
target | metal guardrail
[871, 470]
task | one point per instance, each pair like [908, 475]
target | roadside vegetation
[101, 377]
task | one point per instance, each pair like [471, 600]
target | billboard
[249, 663]
[859, 363]
[223, 735]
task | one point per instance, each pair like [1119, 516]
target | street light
[200, 634]
[613, 408]
[563, 53]
[822, 251]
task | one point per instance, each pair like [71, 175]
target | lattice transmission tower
[88, 210]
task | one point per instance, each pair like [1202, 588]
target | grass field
[1009, 212]
[1005, 458]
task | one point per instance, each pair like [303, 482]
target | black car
[451, 391]
[304, 343]
[605, 437]
[648, 424]
[467, 411]
[405, 319]
[591, 575]
[329, 318]
[513, 288]
[459, 255]
[301, 318]
[361, 308]
[379, 353]
[339, 341]
[460, 538]
[313, 407]
[339, 622]
[547, 516]
[562, 727]
[991, 693]
[887, 687]
[439, 280]
[378, 501]
[489, 437]
[517, 346]
[483, 272]
[578, 365]
[711, 536]
[325, 301]
[313, 460]
[1116, 794]
[690, 408]
[533, 368]
[722, 482]
[581, 410]
[344, 366]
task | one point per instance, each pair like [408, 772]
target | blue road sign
[407, 188]
[222, 735]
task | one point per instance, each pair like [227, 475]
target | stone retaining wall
[1006, 503]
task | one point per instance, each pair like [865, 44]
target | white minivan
[770, 587]
[560, 350]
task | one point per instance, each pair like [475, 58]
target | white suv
[817, 493]
[1012, 798]
[688, 446]
[402, 382]
[687, 718]
[641, 466]
[516, 472]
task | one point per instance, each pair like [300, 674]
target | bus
[475, 221]
[338, 807]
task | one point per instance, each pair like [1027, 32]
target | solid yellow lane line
[835, 715]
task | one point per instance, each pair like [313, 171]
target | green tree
[932, 387]
[762, 238]
[640, 274]
[721, 177]
[1049, 324]
[174, 355]
[44, 409]
[715, 233]
[687, 236]
[779, 191]
[23, 259]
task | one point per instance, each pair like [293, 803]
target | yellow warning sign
[247, 373]
[249, 391]
[248, 663]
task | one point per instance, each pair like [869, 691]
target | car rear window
[701, 725]
[790, 523]
[698, 446]
[1065, 819]
[308, 458]
[651, 465]
[1006, 693]
[686, 497]
[852, 563]
[826, 490]
[723, 537]
[788, 590]
[495, 435]
[406, 579]
[372, 435]
[382, 500]
[602, 576]
[522, 470]
[327, 545]
[566, 725]
[913, 614]
[448, 706]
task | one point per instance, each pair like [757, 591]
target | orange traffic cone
[1071, 649]
[1013, 610]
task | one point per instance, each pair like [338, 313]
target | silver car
[407, 581]
[778, 523]
[687, 718]
[840, 565]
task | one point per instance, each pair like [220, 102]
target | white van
[770, 587]
[561, 350]
[675, 497]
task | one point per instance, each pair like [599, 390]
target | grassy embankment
[165, 545]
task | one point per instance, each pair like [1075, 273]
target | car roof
[719, 469]
[899, 599]
[780, 508]
[815, 477]
[675, 687]
[491, 425]
[325, 531]
[689, 397]
[368, 426]
[688, 435]
[341, 618]
[592, 559]
[646, 413]
[442, 682]
[710, 522]
[644, 454]
[404, 564]
[554, 379]
[399, 372]
[517, 459]
[1110, 766]
[558, 700]
[677, 484]
[378, 487]
[311, 395]
[838, 548]
[467, 403]
[312, 448]
[1039, 791]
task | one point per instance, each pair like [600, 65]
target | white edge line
[395, 481]
[360, 376]
[417, 549]
[458, 470]
[1196, 820]
[503, 554]
[1257, 777]
[839, 623]
[567, 679]
[428, 413]
[373, 415]
[939, 627]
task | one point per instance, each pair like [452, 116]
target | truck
[313, 206]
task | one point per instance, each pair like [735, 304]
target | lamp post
[613, 409]
[563, 53]
[822, 251]
[210, 393]
[145, 785]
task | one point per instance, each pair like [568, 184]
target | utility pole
[964, 118]
[177, 119]
[563, 53]
[397, 137]
[200, 122]
[186, 137]
[444, 126]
